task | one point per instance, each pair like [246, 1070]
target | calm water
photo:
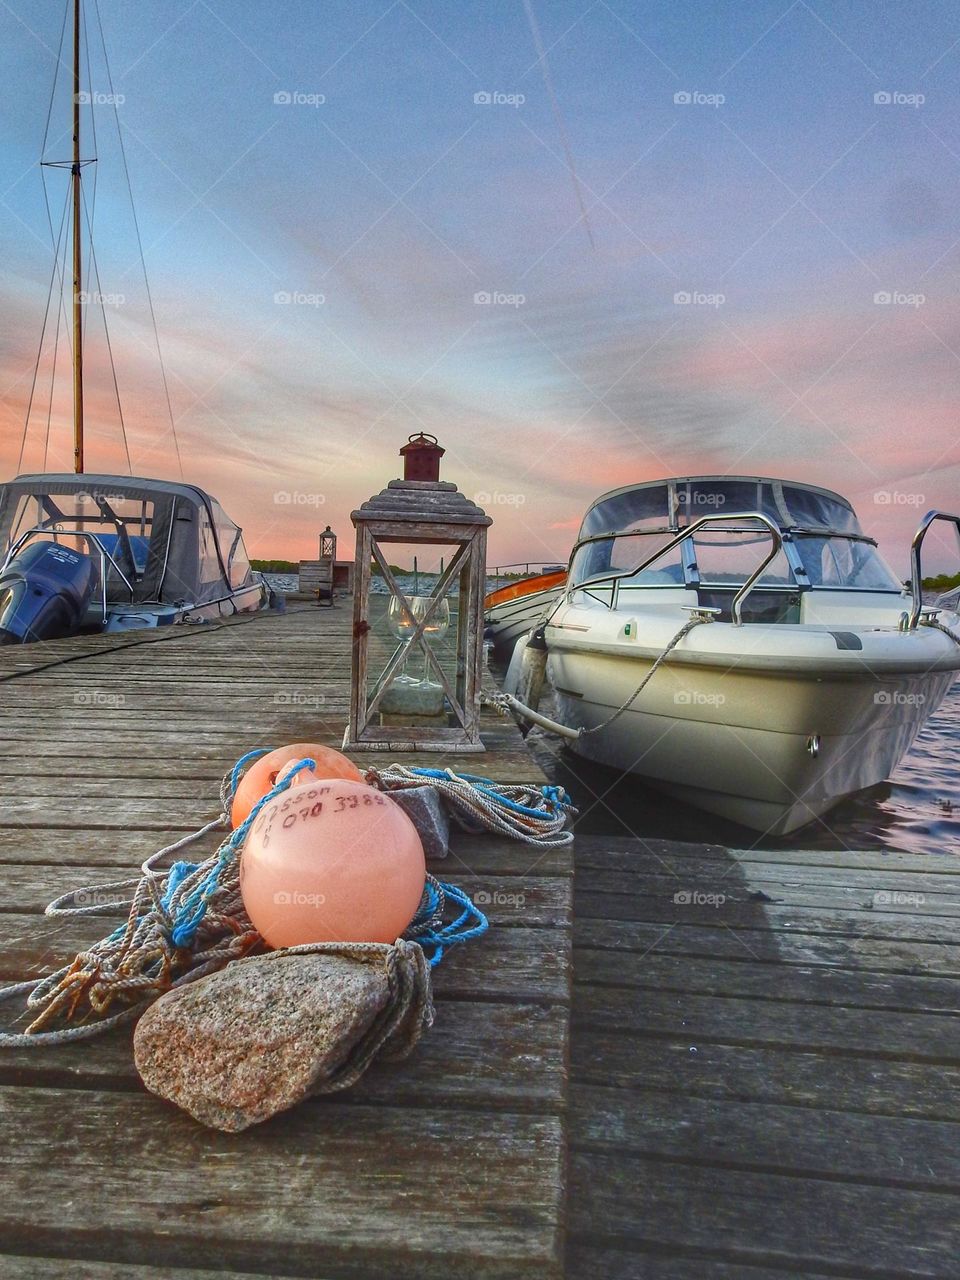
[916, 811]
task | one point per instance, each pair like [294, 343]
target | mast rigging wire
[56, 351]
[143, 262]
[43, 330]
[106, 334]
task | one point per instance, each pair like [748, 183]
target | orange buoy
[262, 775]
[331, 861]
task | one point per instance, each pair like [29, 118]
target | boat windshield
[121, 524]
[101, 514]
[825, 547]
[675, 503]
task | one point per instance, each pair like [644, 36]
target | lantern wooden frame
[328, 545]
[424, 513]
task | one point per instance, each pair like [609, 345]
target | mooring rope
[506, 702]
[524, 811]
[684, 630]
[938, 626]
[185, 922]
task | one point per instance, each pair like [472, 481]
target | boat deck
[761, 1080]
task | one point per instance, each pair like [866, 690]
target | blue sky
[783, 198]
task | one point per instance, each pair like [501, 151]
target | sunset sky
[791, 168]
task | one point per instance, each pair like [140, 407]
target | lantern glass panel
[416, 693]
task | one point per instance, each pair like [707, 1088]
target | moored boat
[116, 553]
[510, 611]
[793, 667]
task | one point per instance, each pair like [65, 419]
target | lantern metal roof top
[421, 457]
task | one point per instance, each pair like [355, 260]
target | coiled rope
[533, 814]
[185, 922]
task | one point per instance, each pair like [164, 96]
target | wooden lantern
[390, 711]
[328, 544]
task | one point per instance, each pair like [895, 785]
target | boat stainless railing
[104, 554]
[916, 572]
[736, 608]
[529, 567]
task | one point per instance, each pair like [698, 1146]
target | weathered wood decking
[760, 1087]
[451, 1161]
[765, 1083]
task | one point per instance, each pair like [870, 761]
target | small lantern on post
[328, 545]
[390, 710]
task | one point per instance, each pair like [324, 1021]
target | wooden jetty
[450, 1162]
[765, 1061]
[753, 1076]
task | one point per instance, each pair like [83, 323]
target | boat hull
[249, 599]
[512, 611]
[772, 749]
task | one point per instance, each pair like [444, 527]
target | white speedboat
[806, 668]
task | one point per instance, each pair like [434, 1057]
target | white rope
[934, 622]
[504, 702]
[65, 905]
[687, 626]
[524, 811]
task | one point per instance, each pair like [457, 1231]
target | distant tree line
[275, 566]
[942, 582]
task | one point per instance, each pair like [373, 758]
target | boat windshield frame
[792, 533]
[63, 524]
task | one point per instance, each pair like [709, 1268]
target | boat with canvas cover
[739, 643]
[117, 553]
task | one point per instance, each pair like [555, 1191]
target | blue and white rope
[184, 922]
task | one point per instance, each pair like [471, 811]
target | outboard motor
[44, 592]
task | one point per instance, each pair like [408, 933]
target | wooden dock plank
[458, 1152]
[591, 1261]
[827, 1143]
[509, 1056]
[796, 1077]
[358, 1189]
[809, 946]
[33, 1268]
[762, 1088]
[527, 899]
[793, 1223]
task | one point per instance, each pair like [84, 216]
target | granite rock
[258, 1036]
[425, 809]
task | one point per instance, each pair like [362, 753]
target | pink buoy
[331, 861]
[263, 774]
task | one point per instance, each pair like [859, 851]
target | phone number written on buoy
[298, 808]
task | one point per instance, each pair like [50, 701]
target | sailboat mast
[77, 261]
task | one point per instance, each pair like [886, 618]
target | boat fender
[533, 669]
